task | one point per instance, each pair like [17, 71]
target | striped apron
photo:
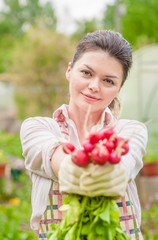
[52, 214]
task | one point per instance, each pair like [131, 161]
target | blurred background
[37, 40]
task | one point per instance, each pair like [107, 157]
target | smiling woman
[95, 78]
[95, 75]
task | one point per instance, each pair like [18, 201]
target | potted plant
[3, 163]
[150, 160]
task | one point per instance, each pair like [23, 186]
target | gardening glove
[69, 177]
[93, 180]
[106, 180]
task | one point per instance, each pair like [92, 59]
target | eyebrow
[110, 76]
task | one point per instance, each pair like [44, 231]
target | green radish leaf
[71, 235]
[105, 215]
[114, 214]
[89, 219]
[72, 215]
[85, 228]
[100, 229]
[86, 219]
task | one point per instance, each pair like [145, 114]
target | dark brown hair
[109, 41]
[116, 46]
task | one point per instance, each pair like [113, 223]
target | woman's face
[95, 79]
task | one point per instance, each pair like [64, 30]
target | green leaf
[105, 215]
[71, 235]
[73, 213]
[114, 212]
[85, 228]
[100, 229]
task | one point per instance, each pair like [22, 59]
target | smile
[90, 97]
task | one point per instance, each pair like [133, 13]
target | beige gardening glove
[69, 177]
[106, 180]
[93, 180]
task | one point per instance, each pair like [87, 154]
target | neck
[84, 120]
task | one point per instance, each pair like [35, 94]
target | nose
[94, 85]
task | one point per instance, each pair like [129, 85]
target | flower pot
[150, 169]
[2, 169]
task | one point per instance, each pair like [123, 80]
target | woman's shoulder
[131, 125]
[39, 122]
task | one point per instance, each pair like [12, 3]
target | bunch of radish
[99, 148]
[92, 217]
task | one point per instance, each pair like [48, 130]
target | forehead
[98, 56]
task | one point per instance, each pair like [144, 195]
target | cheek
[73, 88]
[110, 94]
[75, 84]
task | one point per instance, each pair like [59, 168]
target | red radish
[122, 145]
[109, 145]
[88, 147]
[120, 141]
[94, 137]
[106, 134]
[100, 155]
[68, 148]
[125, 148]
[114, 158]
[80, 157]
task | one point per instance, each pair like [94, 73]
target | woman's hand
[93, 180]
[69, 176]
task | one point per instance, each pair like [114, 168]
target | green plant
[10, 227]
[149, 224]
[3, 157]
[15, 211]
[42, 88]
[15, 205]
[10, 144]
[152, 150]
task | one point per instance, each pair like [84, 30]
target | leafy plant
[131, 13]
[150, 222]
[15, 211]
[152, 150]
[10, 144]
[10, 225]
[15, 205]
[89, 218]
[39, 72]
[3, 157]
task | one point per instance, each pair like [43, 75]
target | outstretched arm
[40, 136]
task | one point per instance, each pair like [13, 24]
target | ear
[68, 72]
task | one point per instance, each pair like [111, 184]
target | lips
[90, 96]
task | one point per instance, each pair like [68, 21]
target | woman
[96, 74]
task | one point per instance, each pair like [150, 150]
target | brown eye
[86, 72]
[109, 81]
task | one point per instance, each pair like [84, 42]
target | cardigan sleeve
[136, 132]
[39, 138]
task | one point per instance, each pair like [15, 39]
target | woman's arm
[40, 136]
[136, 132]
[57, 159]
